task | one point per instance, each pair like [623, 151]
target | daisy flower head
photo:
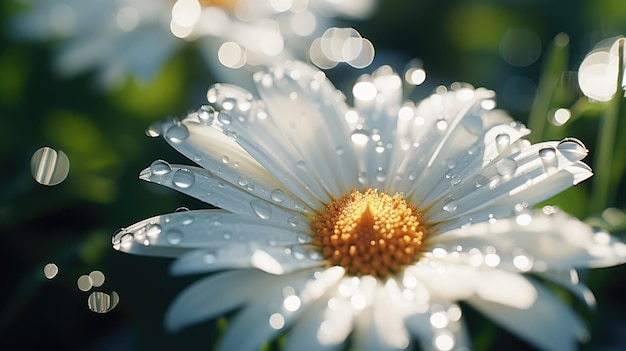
[121, 38]
[368, 223]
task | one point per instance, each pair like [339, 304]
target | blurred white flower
[136, 37]
[372, 221]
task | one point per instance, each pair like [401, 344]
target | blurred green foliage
[102, 132]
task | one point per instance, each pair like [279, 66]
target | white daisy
[119, 38]
[370, 222]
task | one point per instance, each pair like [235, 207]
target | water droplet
[154, 130]
[472, 123]
[229, 103]
[506, 166]
[49, 167]
[183, 178]
[101, 302]
[226, 236]
[177, 133]
[298, 252]
[548, 158]
[451, 205]
[261, 209]
[242, 180]
[277, 195]
[174, 237]
[441, 124]
[360, 136]
[573, 149]
[455, 179]
[381, 176]
[480, 180]
[293, 221]
[209, 257]
[160, 167]
[224, 159]
[502, 141]
[339, 150]
[303, 238]
[225, 118]
[450, 163]
[197, 157]
[362, 177]
[153, 229]
[206, 114]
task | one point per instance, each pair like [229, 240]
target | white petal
[176, 233]
[305, 330]
[547, 323]
[571, 281]
[381, 325]
[531, 175]
[453, 282]
[273, 260]
[440, 328]
[258, 133]
[198, 302]
[246, 198]
[209, 146]
[459, 165]
[432, 139]
[535, 241]
[309, 111]
[265, 315]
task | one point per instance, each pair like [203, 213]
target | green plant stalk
[554, 64]
[602, 195]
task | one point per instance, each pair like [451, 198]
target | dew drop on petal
[174, 237]
[206, 114]
[303, 238]
[293, 221]
[177, 133]
[209, 257]
[261, 209]
[154, 130]
[573, 149]
[277, 195]
[183, 178]
[441, 124]
[360, 136]
[160, 167]
[362, 177]
[502, 142]
[225, 118]
[451, 205]
[49, 167]
[50, 270]
[153, 229]
[548, 158]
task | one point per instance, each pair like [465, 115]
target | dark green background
[103, 135]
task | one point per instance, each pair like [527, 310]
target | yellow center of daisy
[369, 233]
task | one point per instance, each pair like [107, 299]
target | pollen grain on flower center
[369, 233]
